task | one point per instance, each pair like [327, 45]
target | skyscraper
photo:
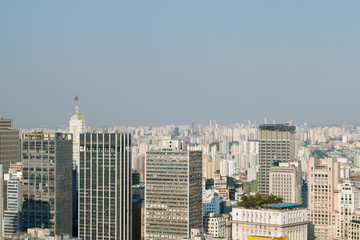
[173, 191]
[323, 182]
[76, 126]
[9, 144]
[276, 143]
[105, 186]
[47, 182]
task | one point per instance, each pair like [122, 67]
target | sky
[172, 62]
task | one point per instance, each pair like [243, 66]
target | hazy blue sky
[163, 62]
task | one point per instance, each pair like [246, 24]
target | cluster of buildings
[179, 182]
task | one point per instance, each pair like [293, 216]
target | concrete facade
[173, 192]
[269, 223]
[276, 143]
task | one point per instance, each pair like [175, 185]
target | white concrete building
[77, 126]
[252, 174]
[276, 220]
[12, 214]
[12, 219]
[215, 225]
[227, 167]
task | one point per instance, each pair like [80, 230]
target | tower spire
[77, 108]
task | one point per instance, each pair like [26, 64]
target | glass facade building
[105, 186]
[47, 182]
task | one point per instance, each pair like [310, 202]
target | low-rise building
[211, 203]
[215, 225]
[354, 226]
[348, 200]
[274, 220]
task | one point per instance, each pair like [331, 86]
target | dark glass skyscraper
[47, 182]
[105, 186]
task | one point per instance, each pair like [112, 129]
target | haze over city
[186, 120]
[167, 62]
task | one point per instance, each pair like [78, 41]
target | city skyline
[129, 61]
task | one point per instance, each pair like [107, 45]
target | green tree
[258, 200]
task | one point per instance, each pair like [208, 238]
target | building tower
[9, 144]
[285, 182]
[276, 143]
[47, 182]
[76, 126]
[173, 191]
[323, 182]
[105, 186]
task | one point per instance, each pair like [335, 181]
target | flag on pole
[76, 98]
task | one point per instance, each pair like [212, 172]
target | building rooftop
[277, 127]
[283, 205]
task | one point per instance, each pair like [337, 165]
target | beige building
[348, 200]
[323, 182]
[285, 182]
[276, 143]
[173, 191]
[221, 185]
[209, 168]
[354, 227]
[275, 220]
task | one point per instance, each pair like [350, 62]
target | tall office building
[9, 143]
[47, 182]
[173, 191]
[105, 186]
[323, 179]
[276, 143]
